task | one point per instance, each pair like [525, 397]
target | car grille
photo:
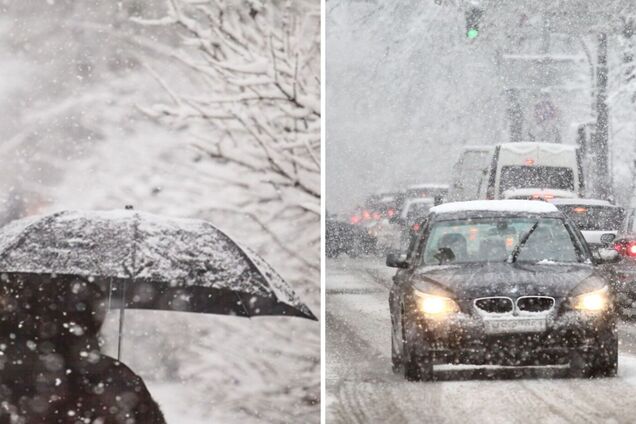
[498, 305]
[535, 303]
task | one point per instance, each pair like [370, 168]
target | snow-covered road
[361, 388]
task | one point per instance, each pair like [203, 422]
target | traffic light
[473, 16]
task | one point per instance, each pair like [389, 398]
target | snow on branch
[255, 105]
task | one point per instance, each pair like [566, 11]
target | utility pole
[603, 183]
[515, 115]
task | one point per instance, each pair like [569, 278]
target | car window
[414, 240]
[417, 210]
[536, 176]
[493, 240]
[594, 218]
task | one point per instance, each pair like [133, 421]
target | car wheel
[601, 362]
[606, 360]
[580, 364]
[417, 367]
[396, 358]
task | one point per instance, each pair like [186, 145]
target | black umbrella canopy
[165, 263]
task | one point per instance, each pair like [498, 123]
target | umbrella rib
[247, 314]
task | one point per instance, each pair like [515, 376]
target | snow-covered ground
[361, 386]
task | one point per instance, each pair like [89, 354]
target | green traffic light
[472, 33]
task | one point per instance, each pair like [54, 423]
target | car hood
[503, 279]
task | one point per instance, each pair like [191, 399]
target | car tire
[602, 362]
[396, 358]
[417, 367]
[606, 360]
[580, 364]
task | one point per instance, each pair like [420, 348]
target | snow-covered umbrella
[150, 262]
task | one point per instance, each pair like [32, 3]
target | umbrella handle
[122, 309]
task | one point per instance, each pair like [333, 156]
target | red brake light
[529, 162]
[390, 212]
[579, 210]
[376, 216]
[366, 215]
[626, 248]
[415, 227]
[355, 219]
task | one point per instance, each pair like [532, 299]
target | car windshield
[536, 176]
[494, 239]
[594, 218]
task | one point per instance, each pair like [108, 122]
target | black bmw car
[507, 282]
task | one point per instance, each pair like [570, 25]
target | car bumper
[463, 339]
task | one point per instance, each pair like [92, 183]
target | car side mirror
[396, 260]
[606, 255]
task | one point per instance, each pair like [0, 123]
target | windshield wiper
[512, 258]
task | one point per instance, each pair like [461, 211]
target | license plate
[518, 325]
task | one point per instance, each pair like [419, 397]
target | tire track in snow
[358, 386]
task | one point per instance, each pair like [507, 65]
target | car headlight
[435, 305]
[597, 300]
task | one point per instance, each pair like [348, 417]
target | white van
[535, 166]
[470, 173]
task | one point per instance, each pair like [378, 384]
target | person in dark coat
[51, 367]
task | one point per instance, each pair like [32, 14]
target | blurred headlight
[435, 305]
[597, 300]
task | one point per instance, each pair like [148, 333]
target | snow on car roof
[584, 202]
[420, 200]
[426, 185]
[526, 147]
[531, 206]
[531, 191]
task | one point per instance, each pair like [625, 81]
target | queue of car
[533, 274]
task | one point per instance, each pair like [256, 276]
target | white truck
[537, 166]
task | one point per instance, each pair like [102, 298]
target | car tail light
[390, 212]
[416, 227]
[376, 216]
[579, 210]
[355, 219]
[529, 162]
[626, 248]
[366, 215]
